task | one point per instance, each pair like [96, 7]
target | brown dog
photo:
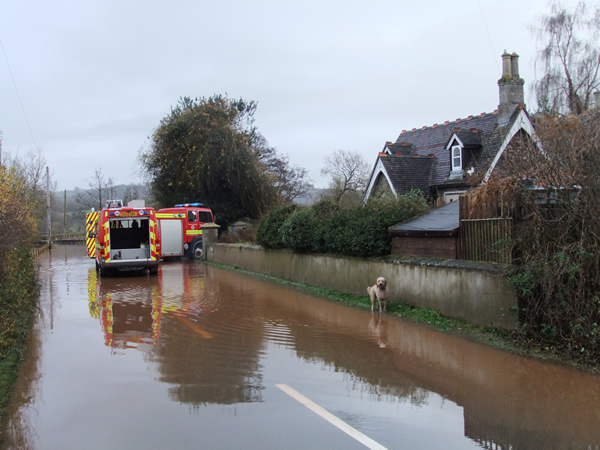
[378, 291]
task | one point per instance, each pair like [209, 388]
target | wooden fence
[486, 228]
[486, 239]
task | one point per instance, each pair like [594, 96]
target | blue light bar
[183, 205]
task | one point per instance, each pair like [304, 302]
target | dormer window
[456, 158]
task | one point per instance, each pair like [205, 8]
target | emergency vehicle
[180, 229]
[123, 237]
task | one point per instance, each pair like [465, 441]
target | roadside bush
[18, 294]
[268, 235]
[325, 213]
[364, 231]
[298, 231]
[327, 228]
[18, 285]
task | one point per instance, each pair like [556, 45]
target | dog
[378, 291]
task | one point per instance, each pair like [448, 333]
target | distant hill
[311, 197]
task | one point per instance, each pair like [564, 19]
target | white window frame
[456, 168]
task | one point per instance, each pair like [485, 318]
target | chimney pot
[514, 65]
[506, 65]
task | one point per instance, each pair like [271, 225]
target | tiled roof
[434, 139]
[409, 172]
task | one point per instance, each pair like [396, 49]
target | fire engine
[180, 229]
[123, 238]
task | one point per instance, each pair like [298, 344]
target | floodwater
[200, 357]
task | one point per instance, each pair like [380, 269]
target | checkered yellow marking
[90, 224]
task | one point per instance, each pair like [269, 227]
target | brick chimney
[511, 88]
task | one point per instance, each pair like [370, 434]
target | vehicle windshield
[204, 216]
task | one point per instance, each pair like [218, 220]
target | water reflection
[177, 309]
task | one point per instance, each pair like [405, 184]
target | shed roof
[442, 220]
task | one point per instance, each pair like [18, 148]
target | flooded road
[200, 357]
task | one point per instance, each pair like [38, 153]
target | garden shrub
[268, 235]
[298, 231]
[327, 228]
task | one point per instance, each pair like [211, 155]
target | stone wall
[473, 292]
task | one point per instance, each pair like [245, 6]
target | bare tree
[557, 234]
[349, 175]
[100, 190]
[568, 58]
[291, 181]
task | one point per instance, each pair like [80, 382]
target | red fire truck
[180, 229]
[124, 238]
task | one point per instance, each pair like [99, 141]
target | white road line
[352, 432]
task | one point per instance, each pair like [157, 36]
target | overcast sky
[94, 78]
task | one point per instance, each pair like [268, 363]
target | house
[443, 160]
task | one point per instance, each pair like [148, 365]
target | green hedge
[18, 302]
[327, 228]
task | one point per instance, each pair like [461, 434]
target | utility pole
[48, 219]
[65, 217]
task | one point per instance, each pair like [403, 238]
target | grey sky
[95, 77]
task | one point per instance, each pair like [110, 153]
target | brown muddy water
[200, 357]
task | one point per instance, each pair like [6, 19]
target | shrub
[327, 228]
[18, 295]
[268, 234]
[298, 231]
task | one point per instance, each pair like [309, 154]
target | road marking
[352, 432]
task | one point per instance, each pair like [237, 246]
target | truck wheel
[197, 250]
[153, 270]
[104, 272]
[97, 267]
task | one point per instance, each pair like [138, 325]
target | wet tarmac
[200, 357]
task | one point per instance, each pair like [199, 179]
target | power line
[489, 39]
[18, 96]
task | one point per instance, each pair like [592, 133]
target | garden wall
[474, 292]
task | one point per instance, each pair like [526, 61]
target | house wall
[425, 246]
[461, 290]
